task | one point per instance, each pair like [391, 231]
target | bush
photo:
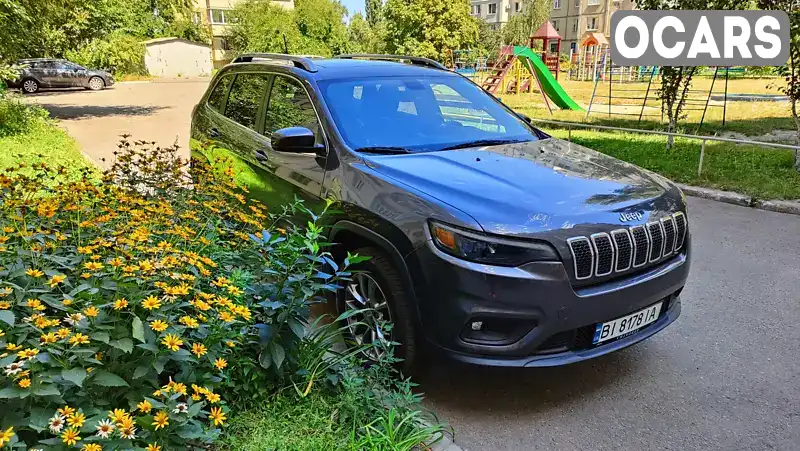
[130, 304]
[17, 117]
[117, 53]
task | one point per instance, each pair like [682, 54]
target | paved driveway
[150, 111]
[725, 376]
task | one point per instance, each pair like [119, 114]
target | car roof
[336, 68]
[41, 59]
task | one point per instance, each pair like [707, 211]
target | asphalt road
[725, 376]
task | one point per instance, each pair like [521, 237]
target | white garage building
[175, 57]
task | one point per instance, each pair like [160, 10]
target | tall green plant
[520, 27]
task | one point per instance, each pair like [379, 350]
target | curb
[445, 443]
[780, 206]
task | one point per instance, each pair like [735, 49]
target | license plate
[626, 324]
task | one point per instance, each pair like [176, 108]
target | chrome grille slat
[620, 250]
[604, 254]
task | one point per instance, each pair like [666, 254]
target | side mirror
[294, 140]
[525, 118]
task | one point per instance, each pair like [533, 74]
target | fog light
[477, 325]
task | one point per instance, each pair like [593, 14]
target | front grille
[557, 342]
[620, 250]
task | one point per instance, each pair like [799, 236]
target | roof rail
[416, 60]
[300, 62]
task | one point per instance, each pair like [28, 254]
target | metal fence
[703, 139]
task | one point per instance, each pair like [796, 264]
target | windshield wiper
[484, 142]
[384, 150]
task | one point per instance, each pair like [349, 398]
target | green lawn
[45, 142]
[755, 171]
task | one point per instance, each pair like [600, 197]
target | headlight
[489, 250]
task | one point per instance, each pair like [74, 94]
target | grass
[750, 118]
[755, 171]
[133, 77]
[288, 424]
[45, 142]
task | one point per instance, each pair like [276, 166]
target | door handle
[214, 133]
[261, 156]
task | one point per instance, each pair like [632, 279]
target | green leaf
[140, 371]
[194, 409]
[107, 379]
[7, 316]
[123, 344]
[148, 346]
[159, 365]
[278, 353]
[74, 375]
[100, 336]
[13, 392]
[263, 360]
[38, 419]
[137, 329]
[47, 390]
[8, 360]
[297, 328]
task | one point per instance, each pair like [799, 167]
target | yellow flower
[93, 266]
[47, 338]
[195, 397]
[13, 347]
[144, 406]
[67, 302]
[70, 436]
[27, 354]
[212, 397]
[234, 290]
[172, 342]
[63, 333]
[5, 305]
[151, 303]
[153, 447]
[5, 436]
[91, 447]
[199, 349]
[118, 415]
[66, 411]
[76, 419]
[116, 262]
[217, 416]
[35, 304]
[91, 311]
[220, 363]
[179, 387]
[158, 325]
[86, 275]
[226, 316]
[34, 272]
[189, 322]
[78, 339]
[57, 279]
[24, 383]
[230, 344]
[120, 304]
[161, 419]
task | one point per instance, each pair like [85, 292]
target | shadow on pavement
[91, 111]
[451, 386]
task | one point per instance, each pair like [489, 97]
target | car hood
[525, 188]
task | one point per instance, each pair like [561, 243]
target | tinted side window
[245, 98]
[217, 97]
[290, 106]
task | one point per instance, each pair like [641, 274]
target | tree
[677, 80]
[321, 25]
[791, 70]
[363, 38]
[429, 28]
[374, 9]
[520, 27]
[489, 39]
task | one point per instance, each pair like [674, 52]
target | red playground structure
[551, 55]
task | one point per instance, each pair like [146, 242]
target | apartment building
[573, 18]
[216, 15]
[496, 12]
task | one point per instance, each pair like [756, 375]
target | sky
[353, 6]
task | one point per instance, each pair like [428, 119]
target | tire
[29, 86]
[380, 268]
[96, 84]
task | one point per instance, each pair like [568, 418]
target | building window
[553, 47]
[592, 24]
[478, 9]
[575, 26]
[221, 43]
[217, 16]
[578, 4]
[594, 2]
[516, 7]
[556, 4]
[555, 25]
[492, 8]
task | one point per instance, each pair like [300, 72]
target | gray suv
[38, 73]
[490, 240]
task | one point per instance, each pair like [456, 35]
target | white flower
[180, 408]
[56, 423]
[105, 428]
[14, 368]
[73, 319]
[36, 449]
[128, 433]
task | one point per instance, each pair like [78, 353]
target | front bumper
[539, 318]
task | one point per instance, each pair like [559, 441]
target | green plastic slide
[551, 87]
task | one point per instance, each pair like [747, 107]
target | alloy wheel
[30, 86]
[368, 327]
[96, 84]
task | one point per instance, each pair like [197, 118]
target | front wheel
[96, 83]
[30, 86]
[378, 288]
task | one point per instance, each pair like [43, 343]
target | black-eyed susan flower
[120, 304]
[91, 311]
[161, 419]
[24, 382]
[158, 325]
[144, 406]
[78, 339]
[76, 419]
[34, 272]
[151, 303]
[189, 322]
[153, 447]
[217, 416]
[220, 363]
[199, 349]
[5, 436]
[91, 447]
[56, 279]
[172, 342]
[70, 437]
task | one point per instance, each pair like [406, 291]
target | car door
[73, 75]
[46, 73]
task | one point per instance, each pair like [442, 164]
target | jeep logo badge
[632, 216]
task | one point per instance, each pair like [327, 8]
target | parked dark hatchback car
[38, 73]
[490, 240]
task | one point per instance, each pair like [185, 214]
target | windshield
[419, 114]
